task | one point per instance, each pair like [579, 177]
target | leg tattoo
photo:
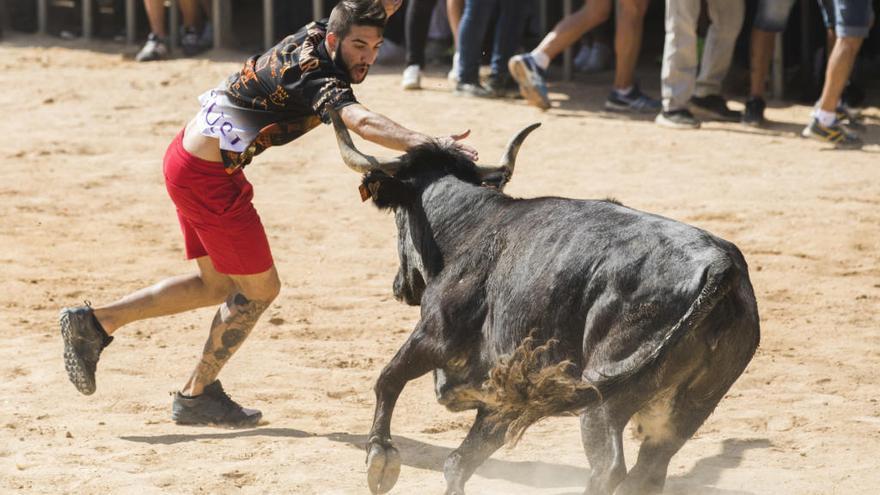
[232, 324]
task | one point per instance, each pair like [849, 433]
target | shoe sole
[75, 365]
[807, 133]
[623, 108]
[664, 122]
[528, 91]
[199, 422]
[704, 114]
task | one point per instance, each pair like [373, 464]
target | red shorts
[215, 212]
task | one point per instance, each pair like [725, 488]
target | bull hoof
[383, 467]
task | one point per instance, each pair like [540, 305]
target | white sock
[624, 91]
[825, 118]
[541, 59]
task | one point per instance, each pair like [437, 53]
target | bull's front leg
[418, 355]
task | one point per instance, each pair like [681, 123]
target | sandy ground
[85, 216]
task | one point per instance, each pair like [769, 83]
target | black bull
[538, 307]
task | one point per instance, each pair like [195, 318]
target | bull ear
[386, 191]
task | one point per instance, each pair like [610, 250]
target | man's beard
[357, 73]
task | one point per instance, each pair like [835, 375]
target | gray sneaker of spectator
[531, 80]
[472, 90]
[154, 49]
[634, 101]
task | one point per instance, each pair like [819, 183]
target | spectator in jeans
[156, 47]
[683, 89]
[771, 18]
[529, 69]
[848, 23]
[508, 30]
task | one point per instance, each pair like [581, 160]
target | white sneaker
[412, 77]
[582, 59]
[453, 72]
[599, 59]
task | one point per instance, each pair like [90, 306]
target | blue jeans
[472, 30]
[772, 15]
[848, 18]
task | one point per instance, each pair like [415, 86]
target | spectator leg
[726, 18]
[761, 47]
[418, 20]
[471, 31]
[570, 29]
[679, 70]
[628, 40]
[840, 64]
[508, 34]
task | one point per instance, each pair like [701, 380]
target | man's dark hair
[348, 13]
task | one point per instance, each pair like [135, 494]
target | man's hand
[454, 141]
[391, 6]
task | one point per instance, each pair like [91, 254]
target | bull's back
[601, 278]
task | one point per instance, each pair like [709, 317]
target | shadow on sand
[414, 453]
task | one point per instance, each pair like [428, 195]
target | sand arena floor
[85, 216]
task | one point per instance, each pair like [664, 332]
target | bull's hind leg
[418, 355]
[664, 425]
[482, 441]
[602, 436]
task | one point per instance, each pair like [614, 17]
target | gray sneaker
[633, 102]
[84, 339]
[212, 407]
[472, 90]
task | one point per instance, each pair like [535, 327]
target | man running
[275, 98]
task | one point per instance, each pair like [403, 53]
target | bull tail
[521, 390]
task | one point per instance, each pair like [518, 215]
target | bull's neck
[455, 210]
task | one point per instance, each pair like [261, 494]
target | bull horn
[508, 160]
[356, 160]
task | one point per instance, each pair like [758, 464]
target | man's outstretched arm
[385, 132]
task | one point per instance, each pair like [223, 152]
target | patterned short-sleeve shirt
[285, 92]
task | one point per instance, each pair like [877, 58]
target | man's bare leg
[170, 296]
[156, 17]
[85, 331]
[761, 51]
[570, 29]
[840, 65]
[825, 126]
[454, 9]
[628, 41]
[233, 322]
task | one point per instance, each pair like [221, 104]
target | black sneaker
[834, 134]
[84, 339]
[190, 42]
[502, 86]
[474, 90]
[754, 114]
[713, 107]
[677, 119]
[634, 102]
[212, 407]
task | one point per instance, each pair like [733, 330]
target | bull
[538, 307]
